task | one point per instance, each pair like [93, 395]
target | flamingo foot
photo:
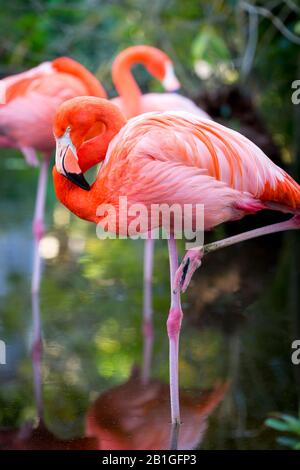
[38, 229]
[191, 261]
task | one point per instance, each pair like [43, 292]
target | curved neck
[86, 114]
[70, 66]
[93, 151]
[123, 79]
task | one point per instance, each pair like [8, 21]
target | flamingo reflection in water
[134, 416]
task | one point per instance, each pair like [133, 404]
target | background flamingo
[167, 158]
[132, 102]
[30, 100]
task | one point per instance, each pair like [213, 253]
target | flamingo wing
[30, 101]
[18, 85]
[26, 121]
[188, 150]
[173, 183]
[64, 77]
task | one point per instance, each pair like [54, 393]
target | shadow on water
[240, 319]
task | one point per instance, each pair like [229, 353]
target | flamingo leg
[174, 436]
[173, 328]
[38, 223]
[193, 257]
[147, 309]
[37, 356]
[38, 232]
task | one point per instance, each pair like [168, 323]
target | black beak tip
[79, 180]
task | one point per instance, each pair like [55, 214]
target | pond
[240, 317]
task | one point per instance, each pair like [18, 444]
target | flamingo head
[158, 64]
[83, 128]
[170, 81]
[161, 67]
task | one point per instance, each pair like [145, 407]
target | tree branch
[275, 20]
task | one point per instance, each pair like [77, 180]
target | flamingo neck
[70, 66]
[88, 115]
[123, 79]
[93, 151]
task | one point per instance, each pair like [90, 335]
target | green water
[240, 318]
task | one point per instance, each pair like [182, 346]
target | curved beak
[170, 81]
[66, 161]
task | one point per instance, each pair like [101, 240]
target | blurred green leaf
[289, 442]
[210, 47]
[297, 27]
[277, 424]
[288, 424]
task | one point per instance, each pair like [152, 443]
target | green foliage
[210, 46]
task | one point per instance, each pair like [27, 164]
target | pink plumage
[179, 158]
[161, 102]
[32, 97]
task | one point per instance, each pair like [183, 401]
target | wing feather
[224, 154]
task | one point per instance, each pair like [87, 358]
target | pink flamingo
[28, 104]
[132, 102]
[170, 158]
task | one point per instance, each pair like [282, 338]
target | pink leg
[38, 223]
[174, 436]
[173, 327]
[36, 354]
[192, 259]
[38, 232]
[147, 309]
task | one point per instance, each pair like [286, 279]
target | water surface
[241, 314]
